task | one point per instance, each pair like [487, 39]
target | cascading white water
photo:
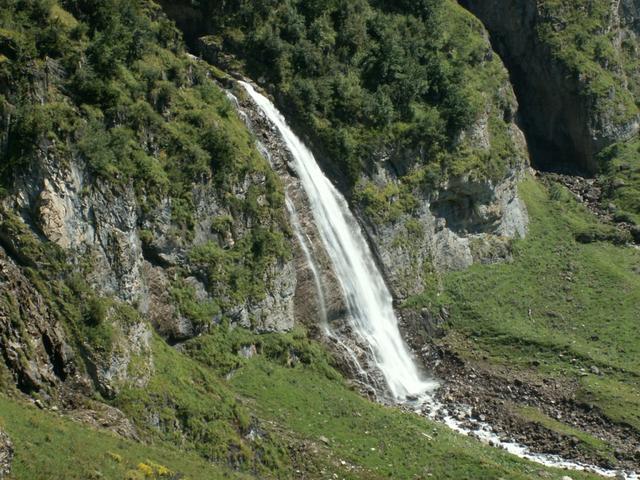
[368, 300]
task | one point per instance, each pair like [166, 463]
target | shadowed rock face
[36, 352]
[563, 129]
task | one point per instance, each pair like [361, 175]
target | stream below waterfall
[370, 305]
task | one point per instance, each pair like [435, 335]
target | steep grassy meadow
[561, 310]
[322, 429]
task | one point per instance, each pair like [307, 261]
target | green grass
[621, 164]
[559, 306]
[618, 399]
[362, 440]
[309, 424]
[49, 446]
[187, 404]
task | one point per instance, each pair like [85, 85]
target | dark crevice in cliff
[55, 357]
[551, 145]
[552, 116]
[8, 245]
[152, 255]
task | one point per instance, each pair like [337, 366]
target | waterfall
[369, 301]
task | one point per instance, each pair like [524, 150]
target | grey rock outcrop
[102, 224]
[464, 220]
[129, 361]
[6, 454]
[464, 223]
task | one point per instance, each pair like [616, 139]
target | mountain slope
[152, 321]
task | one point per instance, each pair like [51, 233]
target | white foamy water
[368, 299]
[431, 408]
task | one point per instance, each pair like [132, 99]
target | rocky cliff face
[464, 219]
[465, 222]
[576, 97]
[131, 257]
[91, 265]
[131, 252]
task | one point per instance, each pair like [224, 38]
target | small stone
[595, 370]
[247, 351]
[566, 477]
[39, 404]
[324, 440]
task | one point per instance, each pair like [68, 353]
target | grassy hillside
[49, 446]
[559, 308]
[621, 167]
[320, 426]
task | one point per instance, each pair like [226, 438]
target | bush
[97, 311]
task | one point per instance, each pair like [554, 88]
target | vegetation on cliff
[109, 86]
[597, 44]
[372, 79]
[575, 67]
[586, 38]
